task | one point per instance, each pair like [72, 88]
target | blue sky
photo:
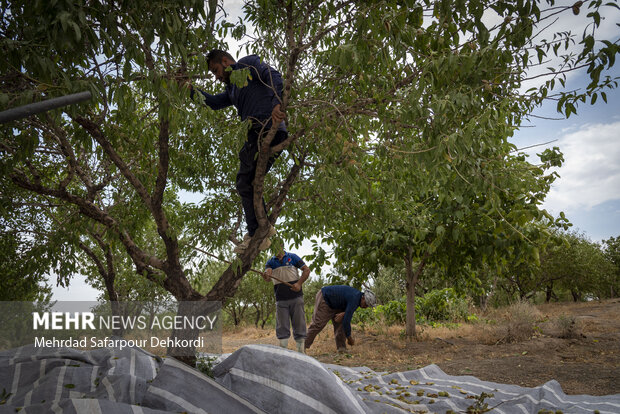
[588, 190]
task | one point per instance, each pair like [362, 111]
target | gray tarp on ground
[64, 380]
[400, 393]
[254, 379]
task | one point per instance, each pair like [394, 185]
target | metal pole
[38, 107]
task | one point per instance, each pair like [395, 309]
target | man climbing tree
[257, 97]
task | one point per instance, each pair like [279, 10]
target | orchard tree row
[399, 115]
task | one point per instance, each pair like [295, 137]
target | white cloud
[591, 171]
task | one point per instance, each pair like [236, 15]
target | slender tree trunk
[186, 352]
[258, 315]
[108, 274]
[412, 279]
[549, 293]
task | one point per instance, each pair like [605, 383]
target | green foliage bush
[395, 311]
[442, 305]
[435, 306]
[392, 313]
[206, 364]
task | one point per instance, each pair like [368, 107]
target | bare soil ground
[576, 344]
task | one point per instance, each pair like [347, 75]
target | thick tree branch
[95, 132]
[89, 209]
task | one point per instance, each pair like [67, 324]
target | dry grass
[585, 323]
[515, 323]
[374, 345]
[567, 326]
[235, 337]
[242, 331]
[467, 330]
[519, 321]
[394, 336]
[582, 365]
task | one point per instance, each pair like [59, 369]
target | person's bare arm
[305, 274]
[267, 274]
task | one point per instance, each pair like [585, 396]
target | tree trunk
[234, 315]
[412, 280]
[186, 352]
[549, 293]
[258, 316]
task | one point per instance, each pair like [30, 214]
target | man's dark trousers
[247, 171]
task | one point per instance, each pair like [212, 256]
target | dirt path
[587, 363]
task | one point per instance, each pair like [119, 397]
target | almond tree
[435, 83]
[421, 170]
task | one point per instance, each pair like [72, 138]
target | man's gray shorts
[290, 312]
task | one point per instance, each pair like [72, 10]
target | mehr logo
[63, 320]
[86, 320]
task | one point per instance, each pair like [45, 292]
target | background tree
[421, 170]
[570, 265]
[612, 252]
[580, 267]
[388, 284]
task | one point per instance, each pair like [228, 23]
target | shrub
[436, 306]
[442, 305]
[567, 327]
[364, 317]
[395, 311]
[206, 364]
[520, 321]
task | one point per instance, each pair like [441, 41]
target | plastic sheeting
[254, 379]
[107, 380]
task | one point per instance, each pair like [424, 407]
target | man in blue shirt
[258, 102]
[338, 303]
[289, 300]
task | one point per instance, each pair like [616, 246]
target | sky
[588, 189]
